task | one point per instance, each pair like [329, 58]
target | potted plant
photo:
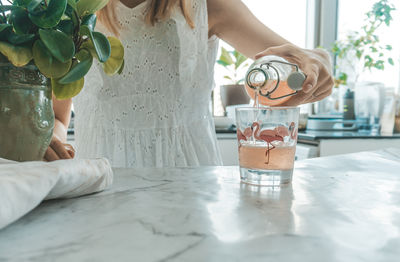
[46, 48]
[233, 93]
[362, 50]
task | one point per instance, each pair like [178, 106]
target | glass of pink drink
[267, 138]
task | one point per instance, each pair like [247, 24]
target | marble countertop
[341, 208]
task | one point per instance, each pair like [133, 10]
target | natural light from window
[349, 20]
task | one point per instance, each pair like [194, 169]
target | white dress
[157, 113]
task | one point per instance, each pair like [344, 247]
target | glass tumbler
[267, 138]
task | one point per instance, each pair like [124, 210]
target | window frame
[322, 23]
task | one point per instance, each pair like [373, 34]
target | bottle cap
[295, 80]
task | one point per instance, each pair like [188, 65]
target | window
[286, 17]
[349, 20]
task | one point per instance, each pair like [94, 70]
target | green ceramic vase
[26, 113]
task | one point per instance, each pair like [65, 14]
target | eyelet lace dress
[157, 112]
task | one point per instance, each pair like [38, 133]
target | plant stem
[77, 27]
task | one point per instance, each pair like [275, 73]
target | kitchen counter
[317, 135]
[340, 208]
[312, 135]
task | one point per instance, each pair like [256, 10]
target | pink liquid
[254, 156]
[283, 89]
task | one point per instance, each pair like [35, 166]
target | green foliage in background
[58, 37]
[232, 61]
[365, 44]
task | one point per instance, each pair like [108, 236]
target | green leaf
[15, 39]
[373, 49]
[59, 44]
[90, 21]
[240, 59]
[116, 59]
[389, 47]
[368, 58]
[4, 27]
[23, 3]
[66, 26]
[47, 64]
[121, 69]
[8, 8]
[228, 77]
[343, 77]
[223, 63]
[20, 20]
[100, 43]
[390, 61]
[359, 53]
[66, 91]
[226, 57]
[72, 3]
[52, 15]
[78, 70]
[33, 4]
[17, 55]
[87, 7]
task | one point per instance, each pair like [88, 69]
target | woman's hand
[58, 150]
[233, 22]
[315, 64]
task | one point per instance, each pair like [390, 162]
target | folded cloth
[24, 185]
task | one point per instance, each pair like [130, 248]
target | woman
[157, 112]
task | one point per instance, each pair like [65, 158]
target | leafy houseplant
[46, 47]
[59, 37]
[234, 92]
[362, 49]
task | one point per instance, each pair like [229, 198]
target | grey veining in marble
[341, 208]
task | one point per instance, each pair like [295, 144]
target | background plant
[234, 62]
[58, 37]
[362, 49]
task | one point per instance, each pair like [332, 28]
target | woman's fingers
[323, 92]
[70, 150]
[312, 73]
[51, 155]
[60, 149]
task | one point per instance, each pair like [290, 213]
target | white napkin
[24, 185]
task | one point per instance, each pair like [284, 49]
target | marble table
[341, 208]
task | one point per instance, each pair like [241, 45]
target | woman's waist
[139, 121]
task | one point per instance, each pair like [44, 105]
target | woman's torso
[157, 112]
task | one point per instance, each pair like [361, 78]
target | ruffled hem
[182, 146]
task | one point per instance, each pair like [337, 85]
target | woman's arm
[58, 149]
[233, 22]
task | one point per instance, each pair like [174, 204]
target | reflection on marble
[341, 208]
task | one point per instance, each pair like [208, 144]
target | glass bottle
[272, 80]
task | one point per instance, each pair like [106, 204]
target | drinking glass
[267, 138]
[368, 105]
